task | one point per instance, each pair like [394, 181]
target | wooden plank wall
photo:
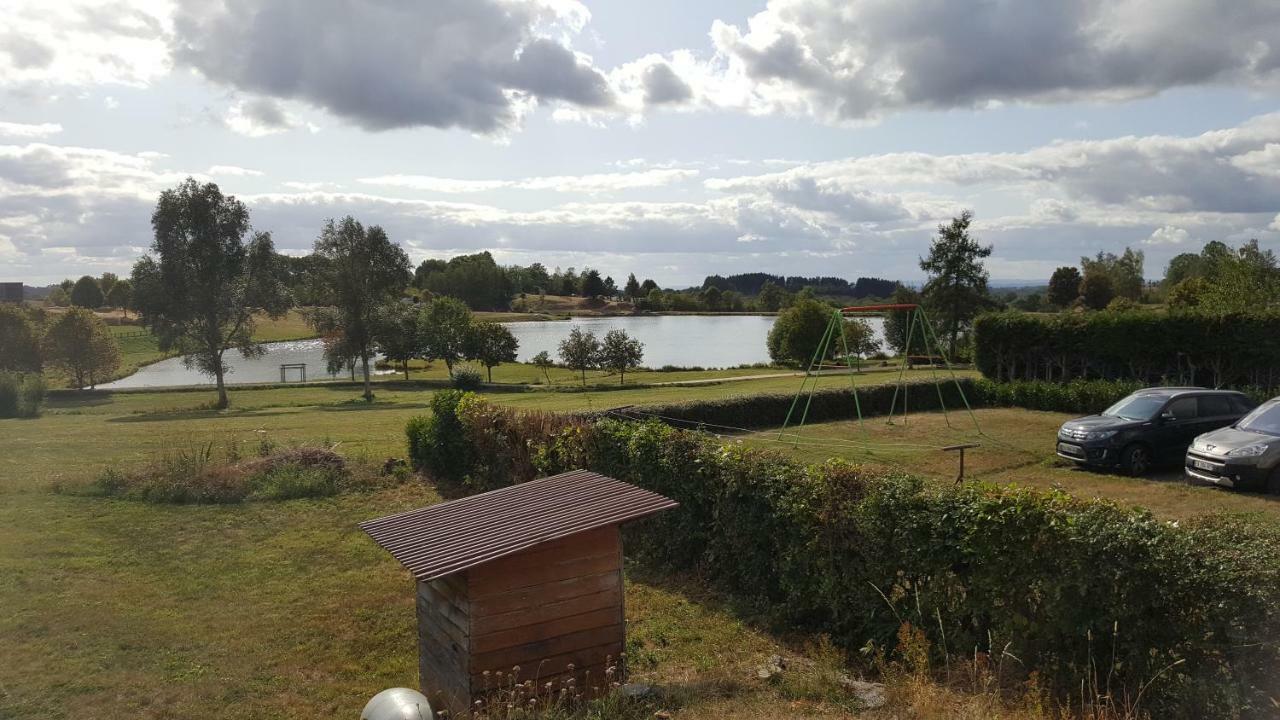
[444, 642]
[553, 605]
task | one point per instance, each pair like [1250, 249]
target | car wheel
[1273, 482]
[1136, 460]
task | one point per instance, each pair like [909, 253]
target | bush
[467, 379]
[1075, 589]
[194, 475]
[21, 394]
[436, 443]
[1177, 347]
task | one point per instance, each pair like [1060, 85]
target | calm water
[712, 341]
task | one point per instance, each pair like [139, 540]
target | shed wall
[444, 643]
[556, 604]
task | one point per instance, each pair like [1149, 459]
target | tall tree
[1096, 290]
[121, 295]
[491, 344]
[543, 360]
[86, 293]
[446, 323]
[580, 351]
[647, 287]
[1124, 271]
[632, 289]
[771, 297]
[106, 281]
[399, 334]
[591, 284]
[1064, 286]
[366, 271]
[956, 290]
[200, 294]
[79, 342]
[620, 352]
[19, 340]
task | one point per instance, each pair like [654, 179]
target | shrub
[1075, 589]
[21, 394]
[194, 475]
[436, 442]
[467, 379]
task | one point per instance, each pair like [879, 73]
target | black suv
[1149, 427]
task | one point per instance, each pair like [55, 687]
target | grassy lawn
[1017, 446]
[120, 609]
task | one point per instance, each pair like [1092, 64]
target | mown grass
[126, 609]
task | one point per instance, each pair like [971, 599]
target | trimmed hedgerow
[1079, 591]
[1184, 348]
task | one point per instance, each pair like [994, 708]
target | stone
[869, 694]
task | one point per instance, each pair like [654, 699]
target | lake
[710, 341]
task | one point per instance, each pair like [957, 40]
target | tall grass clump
[1181, 621]
[21, 394]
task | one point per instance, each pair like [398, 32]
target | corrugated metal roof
[443, 539]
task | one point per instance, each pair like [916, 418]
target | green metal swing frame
[836, 326]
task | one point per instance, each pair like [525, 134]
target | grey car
[1243, 455]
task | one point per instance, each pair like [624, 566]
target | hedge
[769, 410]
[1180, 348]
[1078, 590]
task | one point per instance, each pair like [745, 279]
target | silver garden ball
[398, 704]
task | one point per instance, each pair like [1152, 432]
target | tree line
[75, 341]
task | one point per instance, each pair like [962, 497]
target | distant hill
[750, 284]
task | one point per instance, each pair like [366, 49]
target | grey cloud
[851, 59]
[266, 112]
[848, 205]
[399, 63]
[26, 52]
[662, 86]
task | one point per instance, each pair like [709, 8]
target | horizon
[794, 137]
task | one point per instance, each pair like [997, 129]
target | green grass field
[122, 609]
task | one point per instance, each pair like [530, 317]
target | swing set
[834, 346]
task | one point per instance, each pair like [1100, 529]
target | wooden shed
[528, 575]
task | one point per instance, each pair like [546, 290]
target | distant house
[11, 292]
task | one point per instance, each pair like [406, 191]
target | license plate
[1069, 449]
[1202, 464]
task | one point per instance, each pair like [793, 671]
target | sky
[668, 138]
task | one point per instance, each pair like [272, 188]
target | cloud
[663, 87]
[24, 130]
[62, 207]
[233, 170]
[587, 184]
[258, 117]
[83, 42]
[472, 64]
[850, 60]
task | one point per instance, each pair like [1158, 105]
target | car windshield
[1265, 419]
[1136, 407]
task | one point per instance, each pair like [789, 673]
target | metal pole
[906, 354]
[808, 372]
[853, 385]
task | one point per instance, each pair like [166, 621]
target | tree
[796, 334]
[398, 333]
[591, 284]
[1096, 290]
[1031, 302]
[446, 324]
[1064, 286]
[859, 340]
[58, 297]
[957, 287]
[491, 344]
[621, 352]
[79, 342]
[19, 341]
[121, 295]
[711, 297]
[647, 287]
[106, 282]
[771, 297]
[1124, 271]
[580, 351]
[366, 272]
[543, 360]
[1183, 266]
[898, 323]
[632, 289]
[201, 292]
[86, 293]
[1189, 293]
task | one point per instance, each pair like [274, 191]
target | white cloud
[233, 170]
[25, 130]
[1167, 235]
[84, 42]
[586, 184]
